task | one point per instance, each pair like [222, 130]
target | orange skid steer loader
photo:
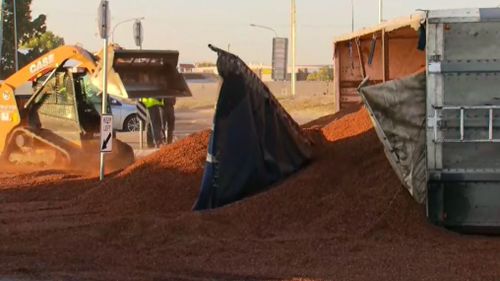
[58, 123]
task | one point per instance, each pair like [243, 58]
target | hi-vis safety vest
[150, 102]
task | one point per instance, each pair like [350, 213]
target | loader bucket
[134, 74]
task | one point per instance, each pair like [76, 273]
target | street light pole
[352, 15]
[380, 11]
[2, 7]
[104, 23]
[294, 42]
[16, 56]
[265, 27]
[122, 22]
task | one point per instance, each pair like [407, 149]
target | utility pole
[16, 56]
[2, 6]
[139, 39]
[380, 11]
[352, 15]
[294, 42]
[104, 24]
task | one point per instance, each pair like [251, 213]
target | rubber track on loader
[44, 138]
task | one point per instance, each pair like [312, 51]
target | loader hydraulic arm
[49, 62]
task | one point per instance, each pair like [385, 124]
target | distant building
[264, 72]
[186, 68]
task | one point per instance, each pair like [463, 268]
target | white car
[125, 117]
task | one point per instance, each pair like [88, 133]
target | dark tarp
[398, 111]
[254, 143]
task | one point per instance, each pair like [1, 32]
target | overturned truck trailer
[432, 88]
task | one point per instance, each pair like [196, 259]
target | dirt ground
[344, 217]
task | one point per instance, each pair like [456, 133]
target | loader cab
[66, 107]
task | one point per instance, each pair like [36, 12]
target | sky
[190, 25]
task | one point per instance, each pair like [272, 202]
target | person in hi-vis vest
[154, 127]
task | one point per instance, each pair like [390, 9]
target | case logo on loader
[42, 63]
[6, 96]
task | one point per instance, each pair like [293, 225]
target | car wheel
[131, 124]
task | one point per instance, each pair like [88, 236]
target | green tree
[28, 28]
[323, 74]
[39, 45]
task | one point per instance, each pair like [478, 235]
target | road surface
[192, 120]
